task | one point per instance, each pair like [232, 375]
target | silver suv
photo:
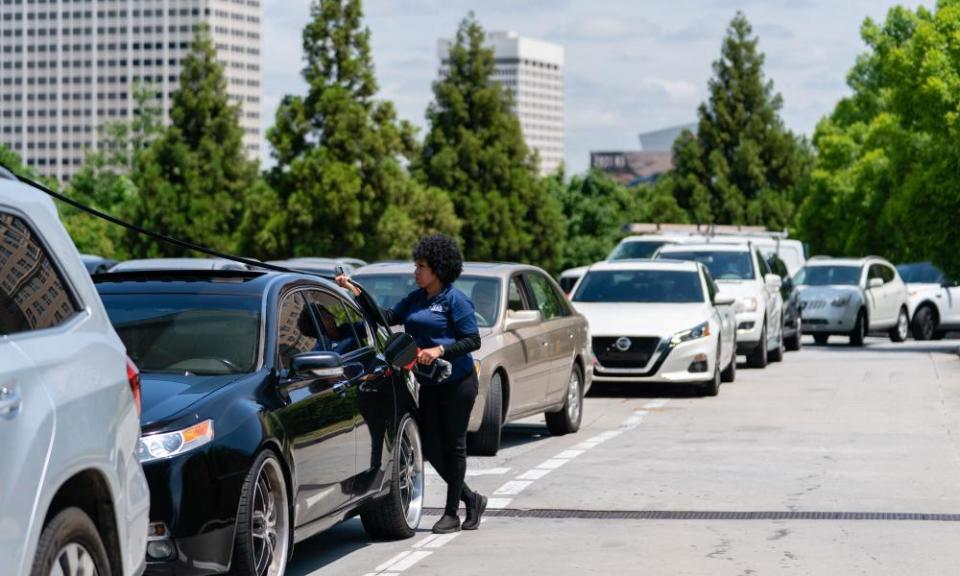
[852, 297]
[73, 498]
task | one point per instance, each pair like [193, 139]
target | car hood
[618, 319]
[164, 395]
[808, 293]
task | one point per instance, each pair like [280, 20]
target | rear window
[484, 292]
[641, 286]
[188, 333]
[722, 265]
[636, 249]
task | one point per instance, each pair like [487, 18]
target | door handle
[545, 343]
[9, 401]
[340, 388]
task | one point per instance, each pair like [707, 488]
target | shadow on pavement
[652, 390]
[330, 546]
[520, 434]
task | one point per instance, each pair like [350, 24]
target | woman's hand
[428, 355]
[344, 282]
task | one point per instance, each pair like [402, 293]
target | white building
[532, 71]
[67, 67]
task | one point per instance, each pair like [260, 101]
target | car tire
[397, 514]
[70, 538]
[263, 536]
[729, 373]
[900, 332]
[712, 386]
[486, 440]
[859, 332]
[821, 339]
[776, 355]
[794, 343]
[939, 335]
[567, 420]
[759, 357]
[924, 325]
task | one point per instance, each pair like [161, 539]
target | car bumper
[670, 364]
[829, 320]
[749, 328]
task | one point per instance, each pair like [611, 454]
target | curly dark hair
[442, 255]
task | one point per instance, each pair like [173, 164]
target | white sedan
[658, 321]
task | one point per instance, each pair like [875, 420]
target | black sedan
[270, 412]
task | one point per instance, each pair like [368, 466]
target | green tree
[194, 180]
[340, 152]
[475, 150]
[743, 165]
[885, 179]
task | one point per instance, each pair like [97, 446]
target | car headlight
[748, 304]
[841, 301]
[701, 331]
[168, 444]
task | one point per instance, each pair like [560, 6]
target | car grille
[637, 355]
[814, 304]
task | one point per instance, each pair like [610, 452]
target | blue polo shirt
[440, 321]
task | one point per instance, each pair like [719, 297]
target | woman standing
[441, 320]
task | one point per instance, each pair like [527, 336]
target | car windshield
[636, 249]
[723, 265]
[643, 286]
[828, 276]
[920, 273]
[192, 334]
[484, 292]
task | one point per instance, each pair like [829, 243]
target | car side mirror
[773, 281]
[788, 283]
[875, 283]
[517, 319]
[949, 284]
[400, 351]
[326, 365]
[722, 299]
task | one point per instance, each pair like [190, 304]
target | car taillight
[133, 376]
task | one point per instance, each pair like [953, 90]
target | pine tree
[743, 164]
[340, 152]
[475, 150]
[194, 180]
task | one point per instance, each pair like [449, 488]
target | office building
[532, 71]
[68, 67]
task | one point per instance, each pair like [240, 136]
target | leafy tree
[475, 150]
[340, 152]
[743, 165]
[194, 179]
[885, 180]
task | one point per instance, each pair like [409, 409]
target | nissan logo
[623, 344]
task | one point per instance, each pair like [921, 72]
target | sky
[632, 66]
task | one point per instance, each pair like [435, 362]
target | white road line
[631, 422]
[426, 540]
[608, 435]
[552, 464]
[656, 403]
[535, 474]
[393, 561]
[512, 488]
[567, 454]
[498, 503]
[409, 561]
[586, 445]
[443, 540]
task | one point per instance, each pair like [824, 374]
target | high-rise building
[532, 70]
[68, 67]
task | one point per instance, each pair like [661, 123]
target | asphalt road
[836, 461]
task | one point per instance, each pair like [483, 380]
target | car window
[389, 289]
[777, 266]
[545, 297]
[297, 330]
[887, 274]
[826, 275]
[636, 249]
[514, 295]
[711, 286]
[33, 293]
[341, 329]
[484, 292]
[875, 272]
[922, 272]
[723, 265]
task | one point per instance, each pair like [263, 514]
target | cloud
[677, 90]
[605, 28]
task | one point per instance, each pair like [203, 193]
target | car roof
[492, 269]
[239, 282]
[827, 261]
[645, 264]
[177, 264]
[705, 247]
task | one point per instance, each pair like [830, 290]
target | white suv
[73, 498]
[741, 271]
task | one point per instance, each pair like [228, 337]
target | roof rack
[704, 229]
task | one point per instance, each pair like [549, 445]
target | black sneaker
[447, 524]
[475, 510]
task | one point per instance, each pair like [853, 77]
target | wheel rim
[74, 560]
[902, 326]
[270, 528]
[927, 326]
[411, 473]
[863, 328]
[573, 397]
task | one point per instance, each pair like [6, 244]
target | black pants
[444, 414]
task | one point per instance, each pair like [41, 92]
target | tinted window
[33, 294]
[764, 269]
[637, 249]
[514, 297]
[828, 276]
[187, 333]
[297, 331]
[887, 274]
[545, 297]
[722, 265]
[341, 329]
[567, 282]
[667, 286]
[922, 273]
[388, 289]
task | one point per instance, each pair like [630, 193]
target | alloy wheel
[270, 519]
[573, 397]
[73, 560]
[411, 474]
[903, 325]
